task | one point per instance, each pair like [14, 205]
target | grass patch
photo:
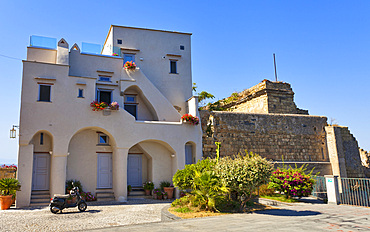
[279, 197]
[186, 212]
[183, 210]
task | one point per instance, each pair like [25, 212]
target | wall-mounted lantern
[13, 132]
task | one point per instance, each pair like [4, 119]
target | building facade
[62, 138]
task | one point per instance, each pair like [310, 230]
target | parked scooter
[59, 202]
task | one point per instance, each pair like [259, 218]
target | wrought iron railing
[319, 189]
[354, 191]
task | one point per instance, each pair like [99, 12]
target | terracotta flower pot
[147, 192]
[5, 202]
[169, 191]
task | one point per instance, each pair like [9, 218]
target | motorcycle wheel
[82, 206]
[55, 211]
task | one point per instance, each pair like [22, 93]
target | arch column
[120, 172]
[24, 175]
[58, 168]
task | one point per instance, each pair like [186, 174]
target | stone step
[101, 195]
[44, 196]
[39, 203]
[36, 200]
[130, 197]
[137, 193]
[42, 192]
[105, 198]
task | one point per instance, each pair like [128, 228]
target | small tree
[242, 175]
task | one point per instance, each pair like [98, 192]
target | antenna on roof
[275, 67]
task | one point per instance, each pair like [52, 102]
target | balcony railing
[43, 42]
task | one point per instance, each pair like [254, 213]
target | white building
[62, 138]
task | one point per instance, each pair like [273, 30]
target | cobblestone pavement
[294, 217]
[97, 215]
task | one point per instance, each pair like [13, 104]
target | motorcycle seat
[61, 195]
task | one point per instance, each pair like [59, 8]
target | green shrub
[164, 184]
[183, 178]
[242, 175]
[292, 181]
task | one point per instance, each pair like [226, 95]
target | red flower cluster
[129, 65]
[88, 196]
[13, 166]
[98, 105]
[190, 118]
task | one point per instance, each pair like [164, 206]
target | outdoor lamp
[13, 132]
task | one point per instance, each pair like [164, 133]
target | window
[182, 47]
[44, 93]
[105, 78]
[130, 99]
[103, 139]
[80, 93]
[119, 41]
[41, 138]
[131, 105]
[128, 57]
[173, 66]
[189, 159]
[104, 95]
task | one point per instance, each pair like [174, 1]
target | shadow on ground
[87, 211]
[287, 212]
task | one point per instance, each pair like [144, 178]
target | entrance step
[138, 193]
[40, 198]
[105, 195]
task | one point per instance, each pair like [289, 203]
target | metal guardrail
[354, 191]
[319, 189]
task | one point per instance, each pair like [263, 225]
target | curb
[167, 216]
[265, 201]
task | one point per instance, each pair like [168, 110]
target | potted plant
[157, 193]
[97, 106]
[188, 118]
[115, 54]
[164, 195]
[148, 187]
[130, 66]
[8, 188]
[114, 106]
[129, 189]
[168, 188]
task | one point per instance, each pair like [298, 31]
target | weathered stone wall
[273, 136]
[7, 173]
[365, 158]
[344, 152]
[266, 97]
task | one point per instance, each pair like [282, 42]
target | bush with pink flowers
[293, 182]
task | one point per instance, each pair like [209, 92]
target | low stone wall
[273, 136]
[7, 173]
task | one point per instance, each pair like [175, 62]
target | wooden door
[41, 171]
[134, 170]
[104, 178]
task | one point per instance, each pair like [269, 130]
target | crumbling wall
[344, 152]
[365, 158]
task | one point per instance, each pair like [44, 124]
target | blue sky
[322, 48]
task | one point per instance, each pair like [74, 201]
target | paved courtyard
[147, 217]
[298, 217]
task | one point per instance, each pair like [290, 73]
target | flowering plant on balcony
[98, 105]
[190, 118]
[115, 54]
[130, 65]
[114, 106]
[13, 166]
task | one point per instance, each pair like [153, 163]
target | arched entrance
[42, 148]
[150, 160]
[90, 159]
